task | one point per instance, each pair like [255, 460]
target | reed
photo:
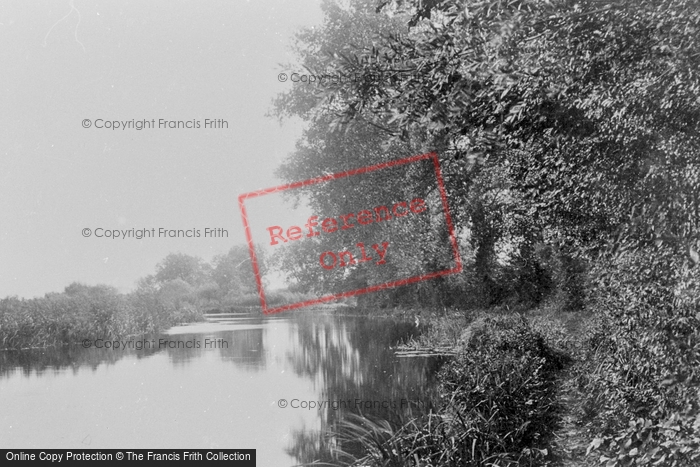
[498, 407]
[97, 312]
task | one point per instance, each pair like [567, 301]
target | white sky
[123, 60]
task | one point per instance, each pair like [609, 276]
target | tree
[191, 269]
[577, 100]
[565, 126]
[349, 28]
[233, 271]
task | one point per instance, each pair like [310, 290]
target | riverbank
[87, 313]
[508, 396]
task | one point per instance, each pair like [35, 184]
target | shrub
[502, 387]
[88, 312]
[498, 405]
[646, 384]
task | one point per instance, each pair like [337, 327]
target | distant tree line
[227, 280]
[181, 290]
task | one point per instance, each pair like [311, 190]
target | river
[280, 385]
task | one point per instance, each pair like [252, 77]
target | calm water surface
[226, 395]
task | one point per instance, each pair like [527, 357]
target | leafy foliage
[182, 288]
[568, 134]
[85, 312]
[498, 406]
[233, 273]
[190, 269]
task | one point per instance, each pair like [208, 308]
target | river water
[281, 385]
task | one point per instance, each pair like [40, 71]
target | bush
[498, 405]
[88, 312]
[646, 385]
[502, 387]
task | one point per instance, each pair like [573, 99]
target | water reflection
[217, 384]
[350, 360]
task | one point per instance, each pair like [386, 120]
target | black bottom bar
[239, 457]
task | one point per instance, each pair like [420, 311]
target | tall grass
[90, 313]
[497, 407]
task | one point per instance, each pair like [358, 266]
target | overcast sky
[131, 60]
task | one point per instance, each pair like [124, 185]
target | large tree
[190, 269]
[348, 30]
[565, 125]
[584, 103]
[233, 272]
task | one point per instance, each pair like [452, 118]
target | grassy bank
[548, 387]
[500, 396]
[87, 312]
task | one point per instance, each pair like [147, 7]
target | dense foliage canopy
[568, 135]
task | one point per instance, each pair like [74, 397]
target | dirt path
[571, 438]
